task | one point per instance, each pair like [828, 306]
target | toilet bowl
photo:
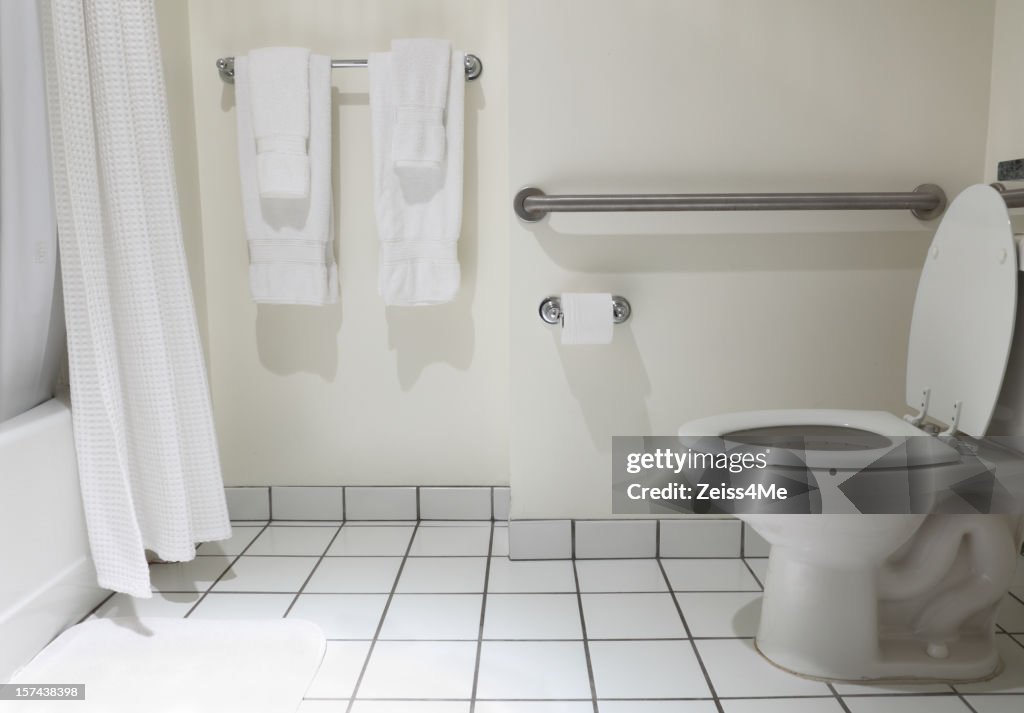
[900, 596]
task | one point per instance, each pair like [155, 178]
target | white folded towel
[291, 241]
[278, 87]
[418, 218]
[419, 78]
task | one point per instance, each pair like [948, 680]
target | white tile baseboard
[371, 502]
[753, 544]
[540, 539]
[502, 502]
[527, 539]
[700, 538]
[611, 539]
[248, 503]
[381, 503]
[628, 538]
[465, 503]
[317, 502]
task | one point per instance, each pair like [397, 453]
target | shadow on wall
[305, 340]
[422, 336]
[735, 252]
[290, 339]
[294, 339]
[611, 385]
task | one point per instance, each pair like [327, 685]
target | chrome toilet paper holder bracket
[550, 309]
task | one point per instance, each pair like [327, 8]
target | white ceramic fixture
[902, 597]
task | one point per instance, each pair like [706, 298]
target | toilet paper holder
[550, 309]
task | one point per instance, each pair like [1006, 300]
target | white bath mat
[177, 666]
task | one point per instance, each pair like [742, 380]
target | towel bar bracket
[226, 66]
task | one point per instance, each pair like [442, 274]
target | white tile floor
[421, 620]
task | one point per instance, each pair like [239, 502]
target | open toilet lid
[964, 312]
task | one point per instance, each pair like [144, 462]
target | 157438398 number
[42, 692]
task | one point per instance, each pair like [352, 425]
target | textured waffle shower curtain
[147, 453]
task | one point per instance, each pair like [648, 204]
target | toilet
[902, 597]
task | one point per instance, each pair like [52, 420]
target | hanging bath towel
[147, 455]
[418, 206]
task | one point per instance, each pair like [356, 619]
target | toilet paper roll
[587, 318]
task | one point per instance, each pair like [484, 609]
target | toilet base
[970, 660]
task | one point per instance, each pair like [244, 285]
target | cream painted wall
[172, 24]
[356, 394]
[1006, 108]
[731, 311]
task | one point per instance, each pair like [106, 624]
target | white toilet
[902, 597]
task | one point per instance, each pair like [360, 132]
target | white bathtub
[47, 580]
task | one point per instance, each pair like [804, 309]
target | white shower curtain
[31, 320]
[140, 403]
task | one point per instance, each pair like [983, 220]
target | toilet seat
[896, 431]
[964, 314]
[882, 423]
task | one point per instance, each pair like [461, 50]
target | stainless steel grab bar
[927, 201]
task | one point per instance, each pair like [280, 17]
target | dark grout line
[226, 570]
[583, 633]
[319, 561]
[753, 574]
[463, 591]
[380, 624]
[804, 697]
[483, 614]
[693, 644]
[839, 699]
[965, 701]
[96, 608]
[480, 640]
[1019, 642]
[378, 556]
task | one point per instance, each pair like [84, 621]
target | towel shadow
[285, 212]
[611, 385]
[297, 339]
[426, 335]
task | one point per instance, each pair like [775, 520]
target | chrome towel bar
[927, 201]
[226, 66]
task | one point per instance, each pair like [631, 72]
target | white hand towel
[418, 218]
[291, 242]
[587, 318]
[278, 85]
[419, 75]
